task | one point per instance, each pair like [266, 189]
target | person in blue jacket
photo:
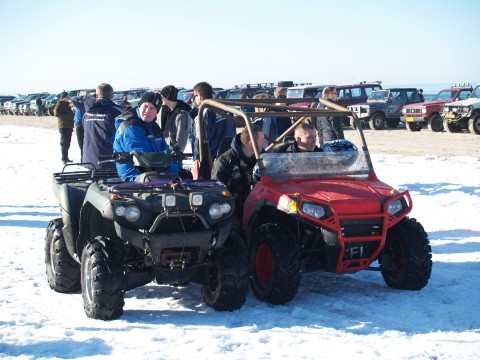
[137, 130]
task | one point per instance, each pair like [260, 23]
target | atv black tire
[103, 280]
[226, 285]
[274, 265]
[63, 272]
[406, 260]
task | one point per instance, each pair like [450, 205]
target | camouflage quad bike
[323, 211]
[114, 236]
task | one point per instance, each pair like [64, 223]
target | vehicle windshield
[50, 97]
[118, 95]
[476, 92]
[235, 95]
[292, 165]
[445, 95]
[380, 95]
[184, 95]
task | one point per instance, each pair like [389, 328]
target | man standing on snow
[99, 128]
[65, 116]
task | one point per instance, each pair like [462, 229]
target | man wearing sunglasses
[329, 127]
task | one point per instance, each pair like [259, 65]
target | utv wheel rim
[88, 281]
[263, 265]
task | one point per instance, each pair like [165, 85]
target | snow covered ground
[332, 317]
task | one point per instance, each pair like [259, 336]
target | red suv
[416, 115]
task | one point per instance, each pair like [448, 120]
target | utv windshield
[291, 165]
[380, 95]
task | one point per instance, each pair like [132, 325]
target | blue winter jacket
[136, 137]
[79, 110]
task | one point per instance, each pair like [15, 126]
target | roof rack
[371, 82]
[461, 85]
[247, 86]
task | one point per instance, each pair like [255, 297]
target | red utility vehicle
[323, 211]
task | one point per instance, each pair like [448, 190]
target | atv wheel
[103, 280]
[474, 124]
[435, 123]
[377, 121]
[63, 272]
[451, 126]
[227, 276]
[406, 260]
[393, 123]
[413, 127]
[274, 265]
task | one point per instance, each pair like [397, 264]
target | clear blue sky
[55, 45]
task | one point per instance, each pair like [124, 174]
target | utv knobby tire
[377, 121]
[406, 260]
[474, 124]
[274, 265]
[435, 123]
[226, 285]
[103, 280]
[63, 272]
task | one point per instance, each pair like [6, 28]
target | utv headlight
[169, 200]
[395, 207]
[315, 211]
[132, 213]
[196, 199]
[215, 211]
[120, 211]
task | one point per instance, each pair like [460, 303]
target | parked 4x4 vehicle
[428, 113]
[464, 114]
[384, 107]
[249, 90]
[324, 211]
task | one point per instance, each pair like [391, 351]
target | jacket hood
[237, 147]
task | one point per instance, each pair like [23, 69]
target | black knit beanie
[169, 92]
[153, 98]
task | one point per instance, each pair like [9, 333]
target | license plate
[410, 119]
[450, 116]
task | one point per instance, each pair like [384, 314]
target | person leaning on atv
[137, 130]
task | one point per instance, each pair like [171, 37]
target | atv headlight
[226, 208]
[132, 213]
[315, 211]
[196, 199]
[395, 207]
[215, 211]
[120, 211]
[169, 200]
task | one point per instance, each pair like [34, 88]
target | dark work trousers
[79, 131]
[65, 140]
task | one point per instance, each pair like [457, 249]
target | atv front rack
[65, 177]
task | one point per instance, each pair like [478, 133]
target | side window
[412, 96]
[395, 95]
[369, 90]
[344, 94]
[356, 93]
[464, 94]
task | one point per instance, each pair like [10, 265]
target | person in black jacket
[329, 127]
[174, 120]
[235, 166]
[99, 128]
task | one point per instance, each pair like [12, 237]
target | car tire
[393, 123]
[435, 123]
[474, 124]
[451, 127]
[102, 279]
[413, 126]
[227, 276]
[406, 259]
[377, 121]
[63, 272]
[274, 265]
